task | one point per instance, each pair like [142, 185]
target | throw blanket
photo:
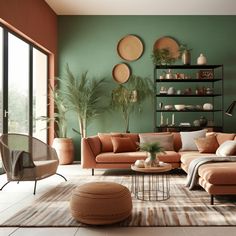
[18, 161]
[192, 178]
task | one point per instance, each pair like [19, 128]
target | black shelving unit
[216, 98]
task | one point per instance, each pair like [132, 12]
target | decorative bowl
[168, 107]
[179, 107]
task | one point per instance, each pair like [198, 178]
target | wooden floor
[14, 196]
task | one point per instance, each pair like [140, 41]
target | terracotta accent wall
[37, 22]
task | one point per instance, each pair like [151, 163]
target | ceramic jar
[207, 106]
[203, 121]
[186, 57]
[201, 60]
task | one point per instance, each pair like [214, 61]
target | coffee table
[151, 184]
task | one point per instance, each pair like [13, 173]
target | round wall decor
[169, 43]
[121, 73]
[130, 48]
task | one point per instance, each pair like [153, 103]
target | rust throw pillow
[123, 144]
[207, 144]
[105, 139]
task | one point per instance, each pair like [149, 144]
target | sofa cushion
[227, 148]
[222, 137]
[188, 156]
[123, 157]
[169, 157]
[123, 144]
[105, 139]
[207, 144]
[222, 173]
[188, 139]
[95, 144]
[177, 141]
[166, 141]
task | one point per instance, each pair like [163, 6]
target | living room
[88, 37]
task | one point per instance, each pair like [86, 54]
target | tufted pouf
[100, 203]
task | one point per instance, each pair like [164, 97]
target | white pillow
[166, 141]
[227, 148]
[188, 139]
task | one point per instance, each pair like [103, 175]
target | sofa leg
[212, 199]
[92, 171]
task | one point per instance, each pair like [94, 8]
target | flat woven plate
[130, 48]
[121, 73]
[169, 43]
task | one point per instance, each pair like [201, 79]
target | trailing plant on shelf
[84, 98]
[153, 148]
[128, 97]
[162, 57]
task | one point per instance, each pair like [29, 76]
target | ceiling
[143, 7]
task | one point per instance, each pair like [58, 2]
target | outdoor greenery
[128, 97]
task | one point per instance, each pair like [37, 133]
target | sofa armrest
[90, 148]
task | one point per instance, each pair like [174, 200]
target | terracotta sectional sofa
[215, 178]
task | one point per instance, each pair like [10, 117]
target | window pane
[39, 94]
[18, 85]
[1, 79]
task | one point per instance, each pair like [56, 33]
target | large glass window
[1, 80]
[40, 69]
[18, 85]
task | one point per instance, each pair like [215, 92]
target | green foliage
[61, 109]
[84, 97]
[128, 97]
[152, 147]
[162, 57]
[183, 48]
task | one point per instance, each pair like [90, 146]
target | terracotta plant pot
[65, 150]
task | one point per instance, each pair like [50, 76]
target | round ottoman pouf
[100, 203]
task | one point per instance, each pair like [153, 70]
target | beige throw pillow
[207, 144]
[188, 139]
[228, 148]
[166, 141]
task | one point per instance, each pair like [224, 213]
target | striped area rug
[183, 208]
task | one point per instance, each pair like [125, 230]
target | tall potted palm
[84, 97]
[128, 97]
[63, 145]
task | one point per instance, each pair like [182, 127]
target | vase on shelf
[201, 60]
[186, 57]
[151, 161]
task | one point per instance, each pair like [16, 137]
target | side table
[151, 184]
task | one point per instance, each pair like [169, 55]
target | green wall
[89, 43]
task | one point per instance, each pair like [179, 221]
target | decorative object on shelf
[179, 92]
[168, 107]
[162, 57]
[152, 149]
[173, 119]
[130, 47]
[209, 91]
[139, 163]
[186, 124]
[203, 121]
[121, 73]
[230, 109]
[163, 90]
[162, 120]
[169, 75]
[179, 107]
[206, 74]
[171, 91]
[196, 122]
[207, 106]
[185, 54]
[188, 91]
[201, 60]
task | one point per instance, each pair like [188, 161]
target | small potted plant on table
[152, 148]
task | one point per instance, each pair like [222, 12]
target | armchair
[26, 158]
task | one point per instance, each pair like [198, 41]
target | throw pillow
[222, 137]
[188, 139]
[227, 148]
[207, 144]
[106, 141]
[123, 144]
[166, 141]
